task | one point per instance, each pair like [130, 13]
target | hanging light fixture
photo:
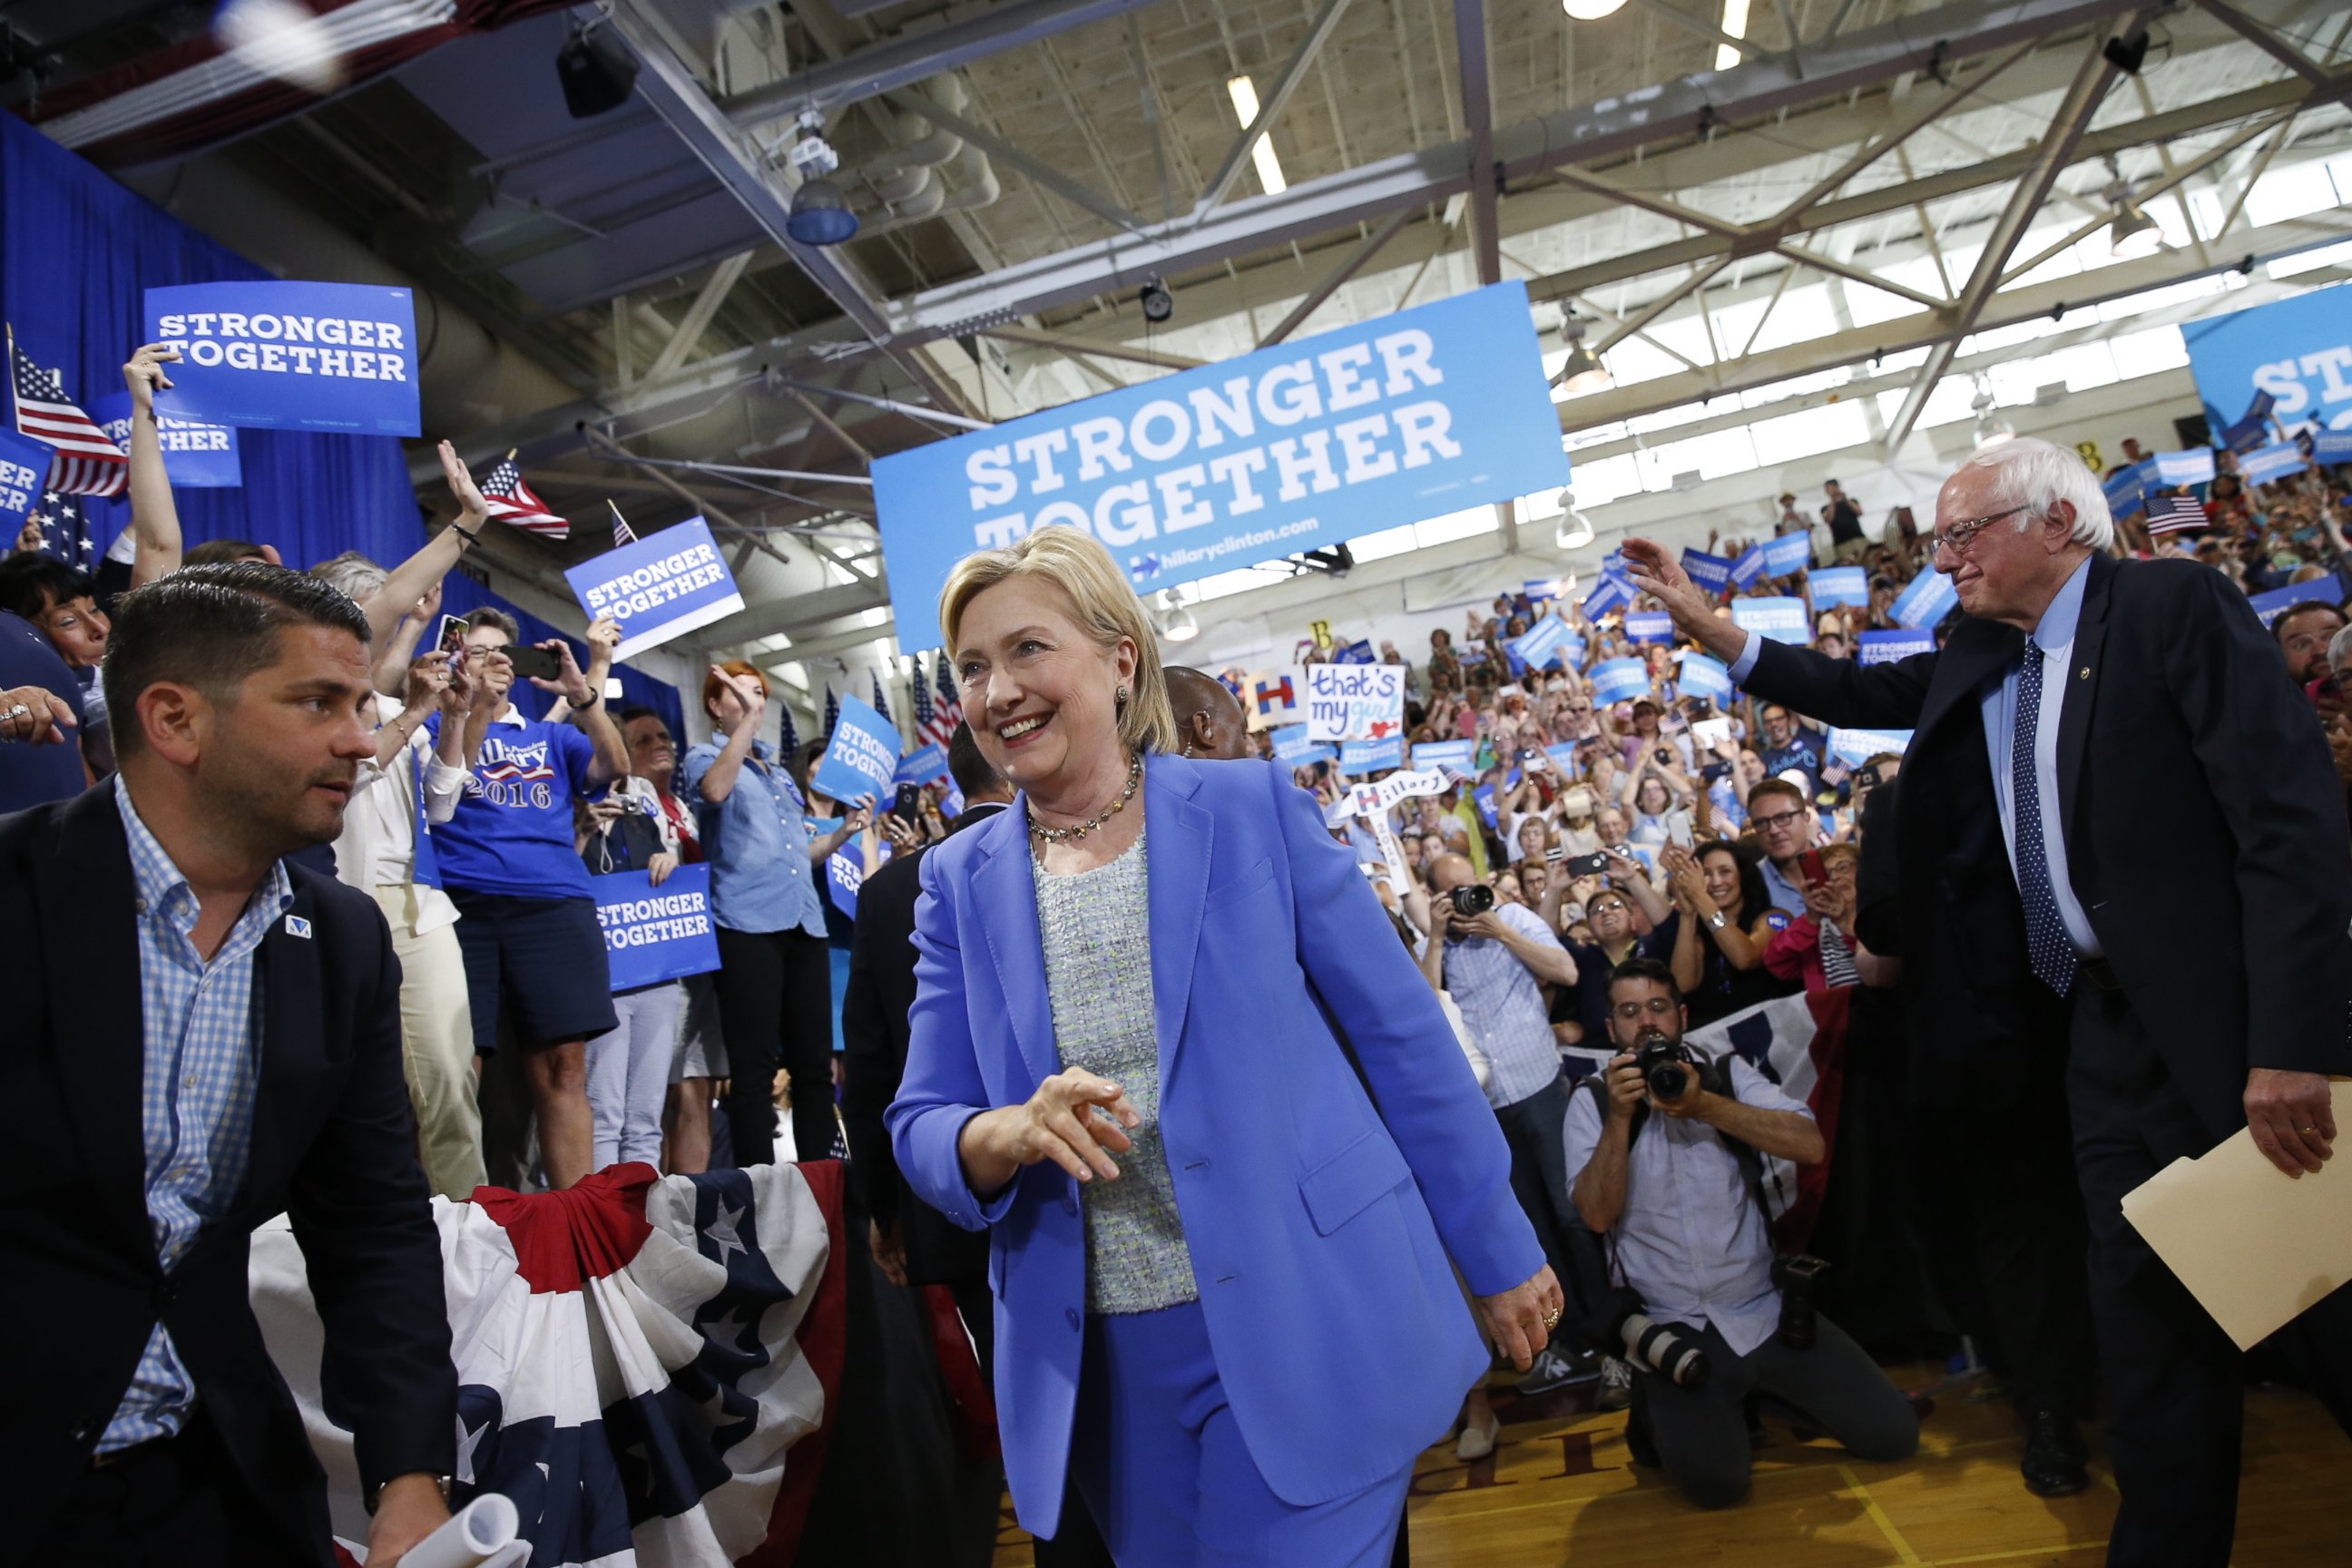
[820, 213]
[1582, 373]
[1574, 530]
[2134, 234]
[1591, 10]
[1991, 428]
[1176, 622]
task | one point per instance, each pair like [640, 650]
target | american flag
[65, 532]
[881, 703]
[622, 534]
[2174, 514]
[832, 711]
[87, 463]
[950, 705]
[932, 727]
[788, 735]
[511, 502]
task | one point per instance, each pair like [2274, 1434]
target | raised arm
[409, 581]
[155, 517]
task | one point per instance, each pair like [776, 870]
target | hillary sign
[196, 455]
[663, 587]
[2299, 351]
[24, 470]
[308, 356]
[653, 934]
[1290, 448]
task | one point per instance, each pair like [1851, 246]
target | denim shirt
[757, 842]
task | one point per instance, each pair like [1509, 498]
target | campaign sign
[1705, 677]
[1485, 795]
[1712, 573]
[291, 356]
[1612, 593]
[2270, 607]
[2296, 350]
[1298, 446]
[1430, 754]
[2265, 464]
[2331, 447]
[863, 758]
[24, 474]
[196, 455]
[1616, 680]
[2127, 489]
[1563, 759]
[1270, 698]
[1787, 553]
[844, 876]
[1649, 626]
[653, 934]
[1839, 585]
[663, 587]
[1855, 747]
[1886, 648]
[1542, 645]
[1749, 567]
[1294, 748]
[1355, 653]
[1370, 756]
[1536, 590]
[1925, 600]
[2193, 466]
[1352, 702]
[927, 765]
[1782, 620]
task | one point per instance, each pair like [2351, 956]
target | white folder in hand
[2256, 1245]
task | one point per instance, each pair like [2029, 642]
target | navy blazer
[1326, 1212]
[334, 1147]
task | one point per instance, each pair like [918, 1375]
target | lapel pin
[297, 926]
[2083, 674]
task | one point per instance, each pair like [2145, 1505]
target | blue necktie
[428, 866]
[2048, 947]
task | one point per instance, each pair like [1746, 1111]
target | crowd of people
[1598, 880]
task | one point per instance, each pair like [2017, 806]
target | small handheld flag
[2174, 514]
[511, 502]
[622, 534]
[86, 462]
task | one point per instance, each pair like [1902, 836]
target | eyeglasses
[1958, 539]
[1656, 1007]
[1776, 820]
[1608, 909]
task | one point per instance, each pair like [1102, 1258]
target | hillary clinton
[1168, 1050]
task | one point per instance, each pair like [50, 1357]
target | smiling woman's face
[1039, 693]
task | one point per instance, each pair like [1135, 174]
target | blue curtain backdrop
[78, 253]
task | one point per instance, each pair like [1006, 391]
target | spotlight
[2134, 234]
[597, 71]
[1582, 373]
[1176, 622]
[2127, 55]
[1158, 304]
[820, 213]
[1591, 10]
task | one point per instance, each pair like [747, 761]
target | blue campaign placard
[2298, 350]
[928, 764]
[2265, 464]
[1618, 680]
[1611, 594]
[1925, 600]
[663, 587]
[1370, 756]
[2331, 445]
[1355, 653]
[1787, 553]
[1563, 759]
[1485, 795]
[842, 878]
[653, 934]
[1781, 619]
[1649, 626]
[863, 758]
[1705, 677]
[1885, 647]
[1458, 754]
[196, 455]
[2271, 606]
[2193, 466]
[24, 473]
[1542, 645]
[1299, 445]
[289, 356]
[1749, 567]
[1536, 590]
[2127, 491]
[1712, 573]
[1855, 747]
[1294, 748]
[1839, 585]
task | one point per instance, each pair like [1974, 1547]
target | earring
[1121, 697]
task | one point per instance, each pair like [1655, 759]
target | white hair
[2033, 473]
[358, 578]
[2340, 648]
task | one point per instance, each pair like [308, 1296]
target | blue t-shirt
[34, 775]
[512, 832]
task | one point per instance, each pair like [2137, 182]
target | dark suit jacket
[333, 1147]
[873, 1058]
[2204, 837]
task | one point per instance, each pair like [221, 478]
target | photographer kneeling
[1673, 1183]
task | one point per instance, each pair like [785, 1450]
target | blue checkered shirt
[195, 1097]
[1504, 1005]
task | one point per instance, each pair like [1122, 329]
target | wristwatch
[1715, 920]
[375, 1493]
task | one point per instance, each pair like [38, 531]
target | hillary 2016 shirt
[512, 830]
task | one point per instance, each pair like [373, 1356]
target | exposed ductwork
[906, 180]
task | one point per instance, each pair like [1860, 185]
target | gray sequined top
[1098, 935]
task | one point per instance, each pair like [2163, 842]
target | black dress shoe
[2055, 1455]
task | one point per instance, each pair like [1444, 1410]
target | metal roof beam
[1270, 109]
[1478, 114]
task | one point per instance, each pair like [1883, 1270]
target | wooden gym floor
[1560, 1491]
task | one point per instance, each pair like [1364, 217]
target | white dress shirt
[377, 847]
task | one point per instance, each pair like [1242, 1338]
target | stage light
[1591, 10]
[1582, 373]
[281, 38]
[1158, 304]
[820, 213]
[597, 71]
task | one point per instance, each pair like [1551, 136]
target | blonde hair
[1105, 606]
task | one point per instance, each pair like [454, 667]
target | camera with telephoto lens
[1621, 1325]
[1470, 899]
[1798, 1277]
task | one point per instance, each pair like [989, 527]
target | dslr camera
[1470, 899]
[1659, 1062]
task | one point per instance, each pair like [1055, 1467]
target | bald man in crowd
[1208, 716]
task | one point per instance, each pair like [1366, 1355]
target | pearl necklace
[1060, 835]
